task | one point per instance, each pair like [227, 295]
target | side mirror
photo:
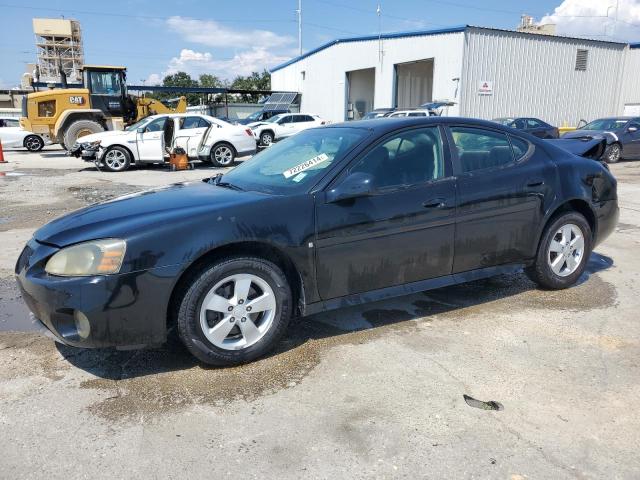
[356, 185]
[632, 129]
[140, 130]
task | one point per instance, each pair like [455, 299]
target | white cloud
[589, 18]
[196, 63]
[154, 79]
[213, 34]
[254, 50]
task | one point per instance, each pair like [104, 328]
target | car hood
[94, 137]
[257, 124]
[610, 136]
[129, 215]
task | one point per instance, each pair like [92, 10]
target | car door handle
[434, 203]
[535, 183]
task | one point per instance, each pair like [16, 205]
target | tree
[255, 81]
[181, 79]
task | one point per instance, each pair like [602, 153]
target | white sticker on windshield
[323, 157]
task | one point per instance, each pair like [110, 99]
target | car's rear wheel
[266, 138]
[234, 311]
[563, 252]
[223, 155]
[117, 159]
[614, 153]
[33, 143]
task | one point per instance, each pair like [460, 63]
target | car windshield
[255, 115]
[294, 165]
[504, 121]
[605, 124]
[138, 124]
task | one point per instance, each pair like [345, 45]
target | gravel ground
[370, 392]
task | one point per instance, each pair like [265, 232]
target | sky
[226, 38]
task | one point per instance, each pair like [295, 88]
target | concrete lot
[371, 392]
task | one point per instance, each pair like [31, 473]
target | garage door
[414, 83]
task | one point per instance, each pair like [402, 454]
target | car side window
[157, 125]
[2, 123]
[519, 124]
[408, 158]
[285, 120]
[13, 123]
[416, 114]
[307, 118]
[533, 123]
[520, 147]
[191, 122]
[479, 149]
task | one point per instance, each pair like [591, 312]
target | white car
[283, 126]
[13, 136]
[411, 113]
[204, 138]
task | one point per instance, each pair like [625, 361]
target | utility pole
[379, 13]
[299, 12]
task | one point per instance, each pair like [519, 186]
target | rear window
[480, 149]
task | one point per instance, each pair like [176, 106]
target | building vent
[582, 58]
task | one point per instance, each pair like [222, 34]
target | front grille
[23, 259]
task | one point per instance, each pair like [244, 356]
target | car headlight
[98, 257]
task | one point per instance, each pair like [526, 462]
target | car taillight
[248, 132]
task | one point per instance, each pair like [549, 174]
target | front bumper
[85, 151]
[127, 310]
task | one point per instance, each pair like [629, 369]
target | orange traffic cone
[2, 160]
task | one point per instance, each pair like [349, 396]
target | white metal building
[488, 73]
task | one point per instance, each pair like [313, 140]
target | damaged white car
[204, 138]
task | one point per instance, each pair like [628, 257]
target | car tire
[116, 159]
[266, 138]
[233, 334]
[559, 264]
[613, 153]
[33, 143]
[80, 128]
[223, 155]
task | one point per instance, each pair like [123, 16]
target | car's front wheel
[117, 159]
[234, 311]
[563, 252]
[614, 153]
[266, 138]
[33, 143]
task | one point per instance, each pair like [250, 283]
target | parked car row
[14, 136]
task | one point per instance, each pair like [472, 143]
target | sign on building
[485, 87]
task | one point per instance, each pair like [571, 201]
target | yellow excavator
[66, 114]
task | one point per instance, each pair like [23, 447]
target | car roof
[383, 125]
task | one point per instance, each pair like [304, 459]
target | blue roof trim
[384, 36]
[633, 46]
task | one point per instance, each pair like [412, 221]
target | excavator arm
[150, 106]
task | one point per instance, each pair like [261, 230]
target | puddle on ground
[149, 382]
[14, 314]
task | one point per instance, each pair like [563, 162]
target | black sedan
[331, 217]
[533, 126]
[621, 133]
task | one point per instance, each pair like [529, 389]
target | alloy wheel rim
[115, 159]
[32, 143]
[238, 311]
[223, 155]
[266, 139]
[566, 250]
[614, 153]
